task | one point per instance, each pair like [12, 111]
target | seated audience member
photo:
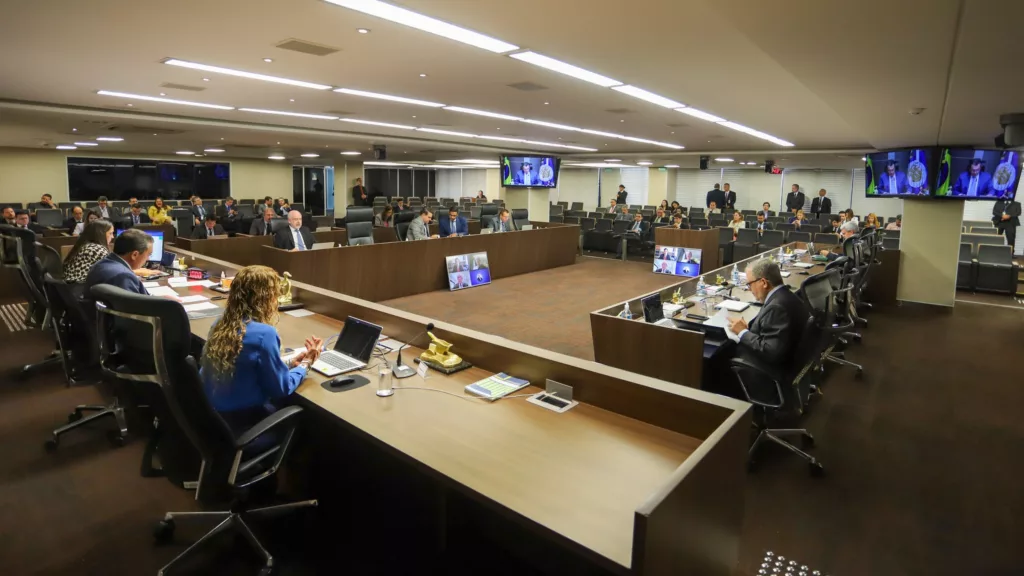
[209, 228]
[676, 207]
[386, 218]
[159, 213]
[133, 200]
[713, 208]
[664, 206]
[419, 228]
[121, 268]
[851, 218]
[268, 202]
[22, 219]
[736, 223]
[9, 216]
[637, 229]
[766, 209]
[896, 224]
[453, 225]
[503, 223]
[847, 230]
[295, 236]
[400, 205]
[677, 221]
[612, 208]
[199, 211]
[104, 211]
[762, 224]
[46, 203]
[134, 216]
[872, 221]
[624, 214]
[242, 370]
[837, 222]
[228, 215]
[262, 227]
[481, 197]
[661, 218]
[92, 246]
[91, 216]
[76, 222]
[798, 218]
[283, 207]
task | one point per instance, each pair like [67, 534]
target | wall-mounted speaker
[704, 161]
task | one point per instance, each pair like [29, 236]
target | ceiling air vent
[528, 86]
[296, 45]
[174, 86]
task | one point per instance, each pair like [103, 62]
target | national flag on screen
[944, 180]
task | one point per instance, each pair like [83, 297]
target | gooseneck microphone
[401, 370]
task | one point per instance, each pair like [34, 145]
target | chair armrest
[753, 366]
[275, 419]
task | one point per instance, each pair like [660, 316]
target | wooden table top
[582, 474]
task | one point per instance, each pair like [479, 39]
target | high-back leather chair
[402, 220]
[520, 218]
[359, 223]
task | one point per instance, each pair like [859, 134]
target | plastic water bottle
[626, 312]
[782, 255]
[702, 288]
[735, 275]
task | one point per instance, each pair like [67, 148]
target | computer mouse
[339, 381]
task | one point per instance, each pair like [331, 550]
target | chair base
[75, 420]
[52, 360]
[775, 435]
[836, 358]
[236, 521]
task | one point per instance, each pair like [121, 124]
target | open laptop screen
[357, 339]
[653, 311]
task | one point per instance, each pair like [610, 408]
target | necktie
[135, 218]
[202, 213]
[209, 232]
[298, 241]
[266, 228]
[972, 190]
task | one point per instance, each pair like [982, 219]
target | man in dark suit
[131, 251]
[199, 211]
[268, 202]
[453, 225]
[503, 223]
[134, 217]
[822, 204]
[620, 197]
[262, 226]
[76, 223]
[208, 229]
[283, 207]
[459, 283]
[729, 199]
[766, 209]
[1006, 217]
[637, 229]
[974, 181]
[105, 211]
[762, 224]
[228, 215]
[714, 195]
[359, 195]
[795, 199]
[837, 221]
[613, 207]
[891, 181]
[295, 236]
[9, 216]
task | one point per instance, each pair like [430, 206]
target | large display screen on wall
[978, 174]
[529, 171]
[899, 173]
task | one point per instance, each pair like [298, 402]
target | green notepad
[497, 386]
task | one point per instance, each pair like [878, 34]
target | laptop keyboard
[338, 361]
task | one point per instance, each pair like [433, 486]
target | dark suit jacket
[1012, 208]
[112, 213]
[128, 223]
[717, 196]
[113, 270]
[199, 232]
[620, 197]
[795, 201]
[821, 205]
[730, 200]
[222, 211]
[963, 184]
[444, 227]
[283, 239]
[200, 214]
[258, 228]
[70, 224]
[357, 196]
[774, 335]
[762, 226]
[644, 227]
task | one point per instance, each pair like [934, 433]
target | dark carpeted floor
[923, 460]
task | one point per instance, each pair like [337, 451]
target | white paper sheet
[192, 299]
[199, 307]
[391, 344]
[163, 291]
[150, 284]
[299, 313]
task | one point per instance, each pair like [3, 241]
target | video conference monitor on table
[900, 173]
[158, 244]
[677, 261]
[468, 270]
[978, 174]
[529, 171]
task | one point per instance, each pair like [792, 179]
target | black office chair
[825, 294]
[725, 245]
[966, 268]
[773, 395]
[22, 253]
[50, 217]
[746, 244]
[278, 224]
[799, 236]
[996, 271]
[359, 223]
[576, 206]
[402, 220]
[520, 218]
[826, 239]
[772, 239]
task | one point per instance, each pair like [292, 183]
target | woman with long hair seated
[243, 373]
[159, 213]
[797, 218]
[385, 218]
[871, 220]
[93, 245]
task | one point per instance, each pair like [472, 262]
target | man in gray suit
[419, 228]
[624, 214]
[503, 223]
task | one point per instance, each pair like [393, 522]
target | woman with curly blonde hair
[241, 366]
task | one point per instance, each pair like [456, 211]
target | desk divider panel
[705, 240]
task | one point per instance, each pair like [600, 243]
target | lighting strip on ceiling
[565, 68]
[244, 74]
[380, 96]
[283, 113]
[651, 97]
[162, 100]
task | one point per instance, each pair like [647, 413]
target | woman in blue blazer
[243, 373]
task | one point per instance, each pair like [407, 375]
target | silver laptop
[352, 350]
[322, 245]
[526, 227]
[486, 230]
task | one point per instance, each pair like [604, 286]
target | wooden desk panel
[885, 278]
[706, 240]
[242, 249]
[395, 269]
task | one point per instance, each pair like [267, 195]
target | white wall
[578, 185]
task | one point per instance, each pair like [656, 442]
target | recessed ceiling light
[363, 30]
[648, 96]
[130, 105]
[550, 125]
[724, 160]
[199, 155]
[212, 150]
[163, 94]
[291, 99]
[621, 120]
[382, 124]
[110, 139]
[74, 129]
[164, 100]
[481, 113]
[206, 79]
[351, 153]
[755, 133]
[221, 138]
[498, 128]
[268, 60]
[700, 114]
[671, 132]
[185, 153]
[275, 157]
[546, 103]
[243, 74]
[565, 68]
[864, 159]
[447, 132]
[613, 160]
[66, 147]
[86, 144]
[310, 155]
[414, 116]
[379, 96]
[283, 113]
[423, 75]
[671, 165]
[426, 24]
[644, 163]
[154, 134]
[279, 143]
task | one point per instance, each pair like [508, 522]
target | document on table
[720, 319]
[185, 282]
[163, 291]
[390, 344]
[786, 274]
[299, 313]
[151, 284]
[192, 299]
[733, 306]
[804, 265]
[200, 307]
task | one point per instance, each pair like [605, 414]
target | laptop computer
[352, 349]
[322, 245]
[486, 230]
[654, 313]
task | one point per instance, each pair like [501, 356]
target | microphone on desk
[401, 370]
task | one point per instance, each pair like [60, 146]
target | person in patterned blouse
[92, 246]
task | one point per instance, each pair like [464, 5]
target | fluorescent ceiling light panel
[655, 142]
[671, 165]
[551, 125]
[755, 133]
[426, 24]
[244, 74]
[599, 133]
[164, 100]
[283, 113]
[278, 157]
[500, 138]
[613, 160]
[481, 113]
[86, 144]
[381, 124]
[212, 150]
[724, 160]
[580, 148]
[110, 139]
[353, 153]
[556, 145]
[379, 96]
[310, 155]
[644, 163]
[700, 114]
[447, 132]
[66, 147]
[185, 153]
[648, 96]
[565, 68]
[471, 161]
[384, 164]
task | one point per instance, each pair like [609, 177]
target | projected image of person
[690, 258]
[525, 175]
[688, 269]
[480, 261]
[974, 181]
[892, 180]
[664, 267]
[458, 281]
[480, 276]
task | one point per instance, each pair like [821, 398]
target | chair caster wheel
[164, 531]
[51, 445]
[857, 338]
[115, 438]
[816, 469]
[74, 417]
[807, 440]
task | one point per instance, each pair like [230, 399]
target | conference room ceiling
[822, 75]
